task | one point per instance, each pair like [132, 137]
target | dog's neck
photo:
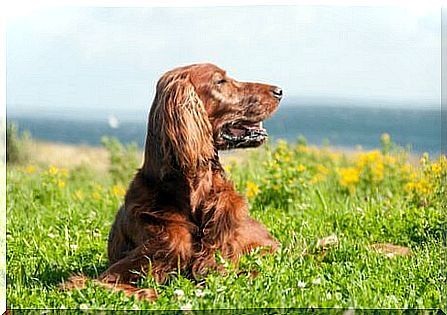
[202, 183]
[192, 188]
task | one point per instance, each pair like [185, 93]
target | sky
[109, 59]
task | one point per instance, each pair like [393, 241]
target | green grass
[58, 221]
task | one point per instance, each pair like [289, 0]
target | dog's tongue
[242, 130]
[237, 132]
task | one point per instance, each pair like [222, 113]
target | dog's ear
[179, 127]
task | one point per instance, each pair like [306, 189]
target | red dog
[180, 208]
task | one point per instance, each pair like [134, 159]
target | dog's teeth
[260, 125]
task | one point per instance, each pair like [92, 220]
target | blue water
[339, 126]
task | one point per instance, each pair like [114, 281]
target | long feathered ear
[179, 132]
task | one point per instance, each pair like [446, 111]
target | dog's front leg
[221, 218]
[228, 228]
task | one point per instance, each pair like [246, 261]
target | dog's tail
[79, 282]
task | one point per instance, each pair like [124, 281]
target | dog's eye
[221, 81]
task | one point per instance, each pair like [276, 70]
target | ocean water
[345, 126]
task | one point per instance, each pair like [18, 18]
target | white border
[18, 7]
[2, 163]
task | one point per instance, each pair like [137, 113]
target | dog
[180, 208]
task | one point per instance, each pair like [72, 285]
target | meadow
[363, 229]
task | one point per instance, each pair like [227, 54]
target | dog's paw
[146, 294]
[74, 282]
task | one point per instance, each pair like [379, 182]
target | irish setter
[180, 208]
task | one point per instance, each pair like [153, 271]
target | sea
[351, 127]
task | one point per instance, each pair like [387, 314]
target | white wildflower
[200, 293]
[301, 284]
[179, 293]
[316, 281]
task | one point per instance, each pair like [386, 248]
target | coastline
[71, 156]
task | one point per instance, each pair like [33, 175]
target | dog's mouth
[243, 134]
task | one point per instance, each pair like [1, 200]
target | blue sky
[108, 59]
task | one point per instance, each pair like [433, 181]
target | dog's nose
[277, 92]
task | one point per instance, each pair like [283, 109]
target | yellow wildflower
[368, 158]
[410, 186]
[30, 169]
[96, 195]
[60, 183]
[53, 170]
[227, 168]
[118, 190]
[378, 171]
[421, 187]
[436, 168]
[374, 155]
[252, 189]
[349, 176]
[322, 172]
[301, 168]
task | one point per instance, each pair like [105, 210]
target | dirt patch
[69, 156]
[390, 250]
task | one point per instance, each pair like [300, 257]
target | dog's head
[235, 109]
[198, 109]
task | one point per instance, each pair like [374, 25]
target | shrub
[123, 159]
[17, 145]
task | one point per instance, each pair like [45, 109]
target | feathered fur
[180, 207]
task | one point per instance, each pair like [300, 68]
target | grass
[58, 220]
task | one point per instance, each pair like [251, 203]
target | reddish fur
[180, 208]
